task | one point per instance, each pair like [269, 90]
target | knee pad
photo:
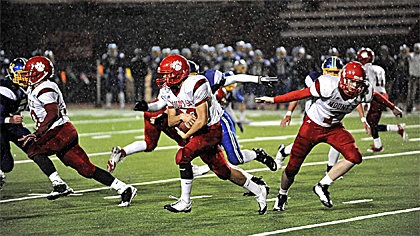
[354, 156]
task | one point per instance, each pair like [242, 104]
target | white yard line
[338, 221]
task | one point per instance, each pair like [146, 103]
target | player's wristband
[288, 113]
[363, 119]
[7, 120]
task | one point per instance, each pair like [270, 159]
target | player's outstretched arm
[288, 97]
[380, 98]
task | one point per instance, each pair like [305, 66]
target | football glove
[141, 106]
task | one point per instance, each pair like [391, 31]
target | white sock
[283, 192]
[393, 128]
[118, 185]
[186, 186]
[333, 156]
[248, 155]
[137, 146]
[252, 186]
[55, 178]
[326, 180]
[288, 149]
[242, 115]
[246, 174]
[377, 142]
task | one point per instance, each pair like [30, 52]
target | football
[184, 127]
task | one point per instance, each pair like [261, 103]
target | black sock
[45, 164]
[103, 177]
[186, 171]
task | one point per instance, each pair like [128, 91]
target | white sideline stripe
[338, 221]
[101, 137]
[211, 175]
[358, 201]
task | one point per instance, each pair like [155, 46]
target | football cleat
[200, 170]
[258, 181]
[280, 156]
[322, 192]
[281, 201]
[266, 159]
[60, 190]
[262, 200]
[179, 206]
[2, 179]
[129, 193]
[116, 156]
[374, 149]
[401, 131]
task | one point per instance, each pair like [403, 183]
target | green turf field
[379, 197]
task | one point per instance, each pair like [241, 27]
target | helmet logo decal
[39, 66]
[176, 65]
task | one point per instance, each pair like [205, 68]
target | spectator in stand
[402, 74]
[241, 68]
[350, 55]
[4, 63]
[139, 73]
[114, 73]
[152, 62]
[280, 66]
[387, 62]
[303, 64]
[258, 66]
[414, 79]
[227, 59]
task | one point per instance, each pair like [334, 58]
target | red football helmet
[352, 79]
[174, 69]
[366, 55]
[37, 69]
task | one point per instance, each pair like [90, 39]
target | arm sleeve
[2, 108]
[378, 97]
[52, 115]
[293, 96]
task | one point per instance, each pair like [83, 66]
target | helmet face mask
[37, 69]
[352, 79]
[175, 69]
[15, 68]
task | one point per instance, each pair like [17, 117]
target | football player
[334, 97]
[13, 101]
[189, 98]
[55, 134]
[376, 76]
[331, 66]
[155, 120]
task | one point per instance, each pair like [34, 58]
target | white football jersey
[329, 108]
[194, 91]
[45, 93]
[376, 76]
